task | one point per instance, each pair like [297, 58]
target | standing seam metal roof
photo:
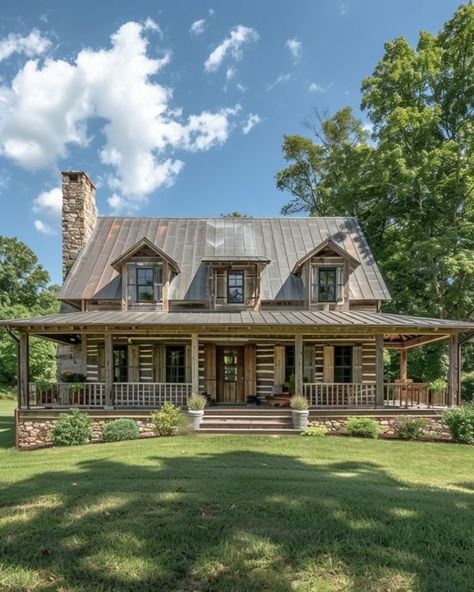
[190, 240]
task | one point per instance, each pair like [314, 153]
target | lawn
[223, 513]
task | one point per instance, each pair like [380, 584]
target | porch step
[250, 431]
[235, 420]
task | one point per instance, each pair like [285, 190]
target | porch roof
[319, 320]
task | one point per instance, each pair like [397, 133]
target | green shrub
[72, 429]
[299, 403]
[120, 429]
[438, 385]
[362, 427]
[169, 420]
[460, 423]
[315, 431]
[410, 428]
[69, 376]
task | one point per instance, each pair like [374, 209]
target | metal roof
[188, 241]
[310, 319]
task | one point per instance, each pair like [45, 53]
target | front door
[230, 374]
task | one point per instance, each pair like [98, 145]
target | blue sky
[174, 108]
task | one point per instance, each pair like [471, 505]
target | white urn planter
[300, 418]
[196, 416]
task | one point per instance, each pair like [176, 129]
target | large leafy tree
[412, 183]
[24, 291]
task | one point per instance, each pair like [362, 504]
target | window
[175, 363]
[289, 363]
[230, 365]
[145, 284]
[343, 363]
[120, 355]
[235, 287]
[325, 288]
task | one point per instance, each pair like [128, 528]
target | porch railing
[339, 394]
[87, 394]
[413, 394]
[142, 394]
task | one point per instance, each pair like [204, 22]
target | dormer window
[326, 284]
[145, 284]
[235, 287]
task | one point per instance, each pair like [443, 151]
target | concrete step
[249, 431]
[236, 424]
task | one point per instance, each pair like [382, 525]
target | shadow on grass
[242, 521]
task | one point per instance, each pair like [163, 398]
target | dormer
[234, 281]
[326, 272]
[146, 272]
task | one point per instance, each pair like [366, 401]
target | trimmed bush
[460, 423]
[362, 427]
[169, 420]
[411, 428]
[120, 429]
[72, 429]
[315, 431]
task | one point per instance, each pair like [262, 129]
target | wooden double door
[230, 372]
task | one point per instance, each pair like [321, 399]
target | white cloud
[314, 87]
[49, 203]
[30, 45]
[44, 228]
[252, 121]
[230, 47]
[230, 73]
[295, 48]
[281, 79]
[46, 109]
[198, 27]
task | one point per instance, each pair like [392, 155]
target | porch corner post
[194, 362]
[403, 365]
[24, 370]
[453, 371]
[299, 364]
[379, 379]
[109, 369]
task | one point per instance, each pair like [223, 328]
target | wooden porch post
[298, 364]
[194, 362]
[24, 370]
[379, 384]
[403, 365]
[109, 369]
[453, 371]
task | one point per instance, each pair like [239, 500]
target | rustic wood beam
[403, 365]
[195, 362]
[298, 364]
[379, 378]
[24, 370]
[453, 371]
[109, 369]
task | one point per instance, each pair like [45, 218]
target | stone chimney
[79, 215]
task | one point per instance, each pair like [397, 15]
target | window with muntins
[343, 363]
[175, 363]
[235, 287]
[145, 284]
[326, 284]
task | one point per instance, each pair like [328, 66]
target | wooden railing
[412, 394]
[87, 394]
[153, 394]
[339, 394]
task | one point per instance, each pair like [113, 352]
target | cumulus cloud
[198, 27]
[295, 48]
[252, 120]
[231, 47]
[49, 203]
[44, 228]
[30, 45]
[48, 105]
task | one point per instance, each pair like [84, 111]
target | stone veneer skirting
[32, 429]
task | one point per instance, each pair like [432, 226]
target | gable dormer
[326, 272]
[146, 272]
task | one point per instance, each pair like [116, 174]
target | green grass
[237, 514]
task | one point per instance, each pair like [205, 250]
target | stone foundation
[33, 431]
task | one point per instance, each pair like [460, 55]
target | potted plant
[299, 411]
[438, 387]
[196, 404]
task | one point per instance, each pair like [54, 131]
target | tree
[234, 214]
[25, 292]
[412, 184]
